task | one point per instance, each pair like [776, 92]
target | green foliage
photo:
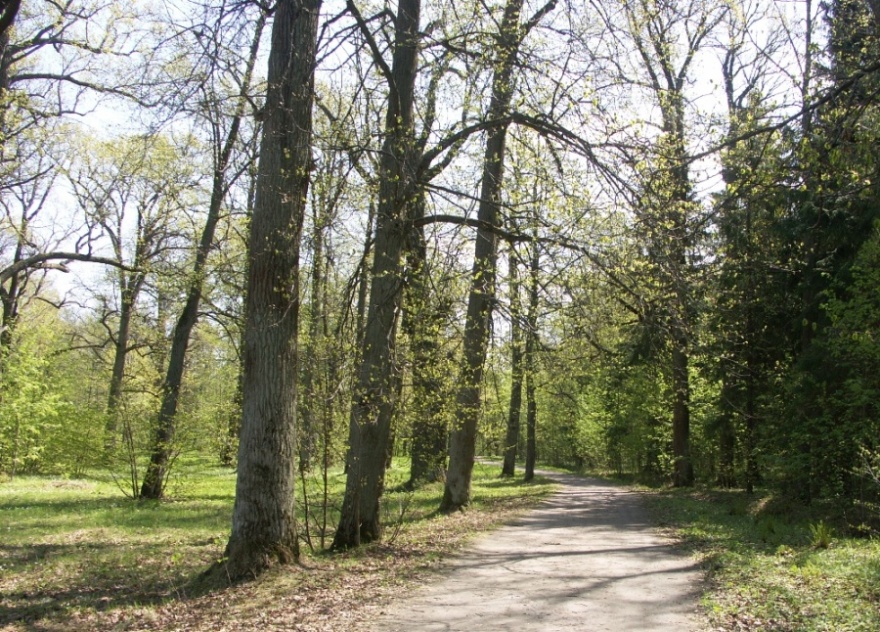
[40, 427]
[30, 410]
[821, 535]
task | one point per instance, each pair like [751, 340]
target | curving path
[587, 559]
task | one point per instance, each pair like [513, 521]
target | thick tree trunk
[263, 517]
[462, 446]
[375, 389]
[511, 439]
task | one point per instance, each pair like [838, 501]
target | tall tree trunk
[462, 448]
[130, 289]
[531, 364]
[511, 439]
[263, 516]
[311, 364]
[161, 451]
[727, 432]
[375, 389]
[683, 470]
[10, 296]
[423, 323]
[363, 281]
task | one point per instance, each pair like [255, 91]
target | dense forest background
[637, 237]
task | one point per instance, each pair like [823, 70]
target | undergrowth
[773, 564]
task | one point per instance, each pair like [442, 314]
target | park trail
[587, 559]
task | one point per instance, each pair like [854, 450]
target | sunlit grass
[77, 554]
[768, 568]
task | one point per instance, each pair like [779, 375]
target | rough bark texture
[456, 493]
[376, 385]
[161, 451]
[263, 520]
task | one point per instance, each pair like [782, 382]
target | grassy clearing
[774, 565]
[77, 555]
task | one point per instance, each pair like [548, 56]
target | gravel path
[587, 559]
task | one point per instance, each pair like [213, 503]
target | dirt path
[585, 560]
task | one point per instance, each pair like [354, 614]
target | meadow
[76, 554]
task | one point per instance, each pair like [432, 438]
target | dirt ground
[587, 559]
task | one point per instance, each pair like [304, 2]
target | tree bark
[10, 296]
[264, 521]
[311, 366]
[375, 389]
[130, 287]
[683, 471]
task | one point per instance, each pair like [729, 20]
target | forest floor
[588, 558]
[76, 555]
[578, 554]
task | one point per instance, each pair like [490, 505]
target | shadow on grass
[63, 579]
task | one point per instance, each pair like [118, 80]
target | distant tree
[377, 378]
[162, 446]
[512, 31]
[511, 438]
[134, 193]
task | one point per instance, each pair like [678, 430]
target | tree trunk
[375, 390]
[161, 451]
[683, 470]
[462, 447]
[263, 517]
[311, 366]
[423, 323]
[531, 365]
[130, 289]
[11, 295]
[727, 432]
[511, 440]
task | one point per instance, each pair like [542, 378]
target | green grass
[774, 565]
[77, 554]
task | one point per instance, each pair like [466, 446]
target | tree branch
[37, 261]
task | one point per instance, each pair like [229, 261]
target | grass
[774, 565]
[77, 555]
